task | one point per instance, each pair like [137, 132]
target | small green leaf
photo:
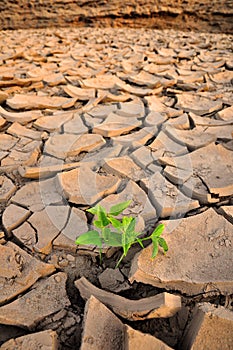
[110, 238]
[131, 237]
[128, 222]
[130, 234]
[155, 248]
[131, 225]
[89, 237]
[102, 216]
[119, 208]
[97, 223]
[115, 223]
[158, 231]
[163, 244]
[125, 235]
[92, 210]
[140, 242]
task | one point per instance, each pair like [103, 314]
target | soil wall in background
[200, 15]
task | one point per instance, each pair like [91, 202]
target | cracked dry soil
[102, 116]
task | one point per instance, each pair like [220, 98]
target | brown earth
[102, 116]
[210, 16]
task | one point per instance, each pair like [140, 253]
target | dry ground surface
[102, 116]
[200, 15]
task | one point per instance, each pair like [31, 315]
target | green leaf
[89, 237]
[123, 243]
[127, 223]
[102, 216]
[125, 235]
[140, 242]
[155, 248]
[163, 244]
[119, 208]
[158, 231]
[130, 234]
[131, 225]
[131, 238]
[97, 223]
[112, 239]
[92, 210]
[115, 223]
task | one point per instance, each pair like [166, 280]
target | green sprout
[115, 232]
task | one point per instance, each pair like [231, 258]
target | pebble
[70, 257]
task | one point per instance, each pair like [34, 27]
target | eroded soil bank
[199, 15]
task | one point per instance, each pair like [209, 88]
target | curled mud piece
[161, 305]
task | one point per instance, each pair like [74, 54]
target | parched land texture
[92, 115]
[200, 15]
